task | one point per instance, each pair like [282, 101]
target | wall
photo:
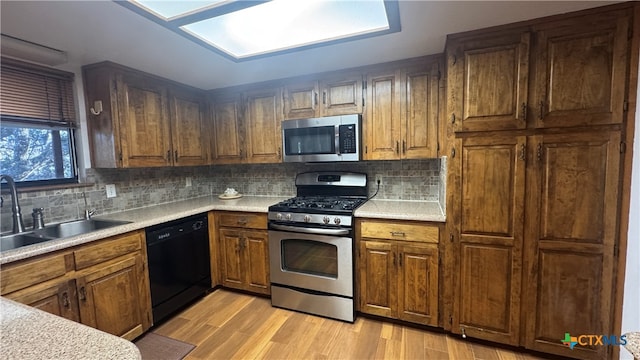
[631, 300]
[407, 180]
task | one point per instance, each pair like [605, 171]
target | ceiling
[94, 31]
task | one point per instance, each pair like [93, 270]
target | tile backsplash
[136, 188]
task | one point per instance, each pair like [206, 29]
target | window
[37, 115]
[244, 30]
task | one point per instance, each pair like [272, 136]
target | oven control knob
[326, 219]
[278, 216]
[307, 218]
[337, 221]
[288, 217]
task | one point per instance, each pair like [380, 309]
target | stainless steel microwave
[332, 138]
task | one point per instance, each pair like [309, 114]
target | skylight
[244, 30]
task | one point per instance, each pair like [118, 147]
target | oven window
[314, 140]
[310, 257]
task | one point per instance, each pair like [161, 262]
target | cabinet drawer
[399, 231]
[32, 272]
[107, 249]
[244, 220]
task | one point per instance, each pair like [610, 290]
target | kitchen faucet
[18, 224]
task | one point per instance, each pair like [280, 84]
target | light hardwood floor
[229, 325]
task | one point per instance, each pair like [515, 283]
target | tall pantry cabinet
[535, 115]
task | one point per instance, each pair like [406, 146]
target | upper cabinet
[247, 127]
[338, 94]
[488, 81]
[144, 122]
[580, 71]
[401, 112]
[557, 74]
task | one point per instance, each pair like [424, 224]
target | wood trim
[625, 181]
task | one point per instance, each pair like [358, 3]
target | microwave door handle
[315, 231]
[337, 140]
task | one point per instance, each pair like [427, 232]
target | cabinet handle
[453, 118]
[524, 111]
[83, 294]
[400, 260]
[541, 116]
[522, 152]
[397, 147]
[169, 155]
[175, 154]
[279, 152]
[404, 146]
[324, 97]
[65, 300]
[398, 233]
[539, 152]
[453, 152]
[315, 99]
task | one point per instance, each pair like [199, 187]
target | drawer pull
[398, 233]
[242, 221]
[83, 294]
[65, 300]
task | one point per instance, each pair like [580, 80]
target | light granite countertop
[29, 333]
[142, 218]
[401, 210]
[153, 215]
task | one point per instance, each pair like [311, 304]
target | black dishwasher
[179, 267]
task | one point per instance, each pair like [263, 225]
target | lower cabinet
[104, 284]
[244, 251]
[398, 270]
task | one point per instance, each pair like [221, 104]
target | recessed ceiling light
[244, 30]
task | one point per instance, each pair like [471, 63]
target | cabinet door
[144, 123]
[256, 254]
[188, 129]
[301, 100]
[581, 71]
[58, 298]
[342, 95]
[262, 122]
[378, 279]
[382, 123]
[232, 261]
[488, 83]
[491, 202]
[420, 112]
[418, 283]
[227, 146]
[110, 300]
[572, 221]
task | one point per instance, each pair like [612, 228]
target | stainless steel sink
[56, 231]
[15, 241]
[73, 228]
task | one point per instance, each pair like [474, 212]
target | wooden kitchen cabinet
[572, 211]
[581, 67]
[247, 127]
[490, 202]
[244, 251]
[226, 143]
[339, 94]
[145, 121]
[103, 284]
[488, 81]
[575, 68]
[401, 115]
[262, 124]
[398, 270]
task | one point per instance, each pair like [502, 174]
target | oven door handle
[311, 230]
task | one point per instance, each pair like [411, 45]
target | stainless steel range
[311, 245]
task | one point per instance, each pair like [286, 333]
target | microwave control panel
[348, 143]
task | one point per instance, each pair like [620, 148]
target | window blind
[35, 94]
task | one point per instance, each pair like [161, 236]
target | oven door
[313, 262]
